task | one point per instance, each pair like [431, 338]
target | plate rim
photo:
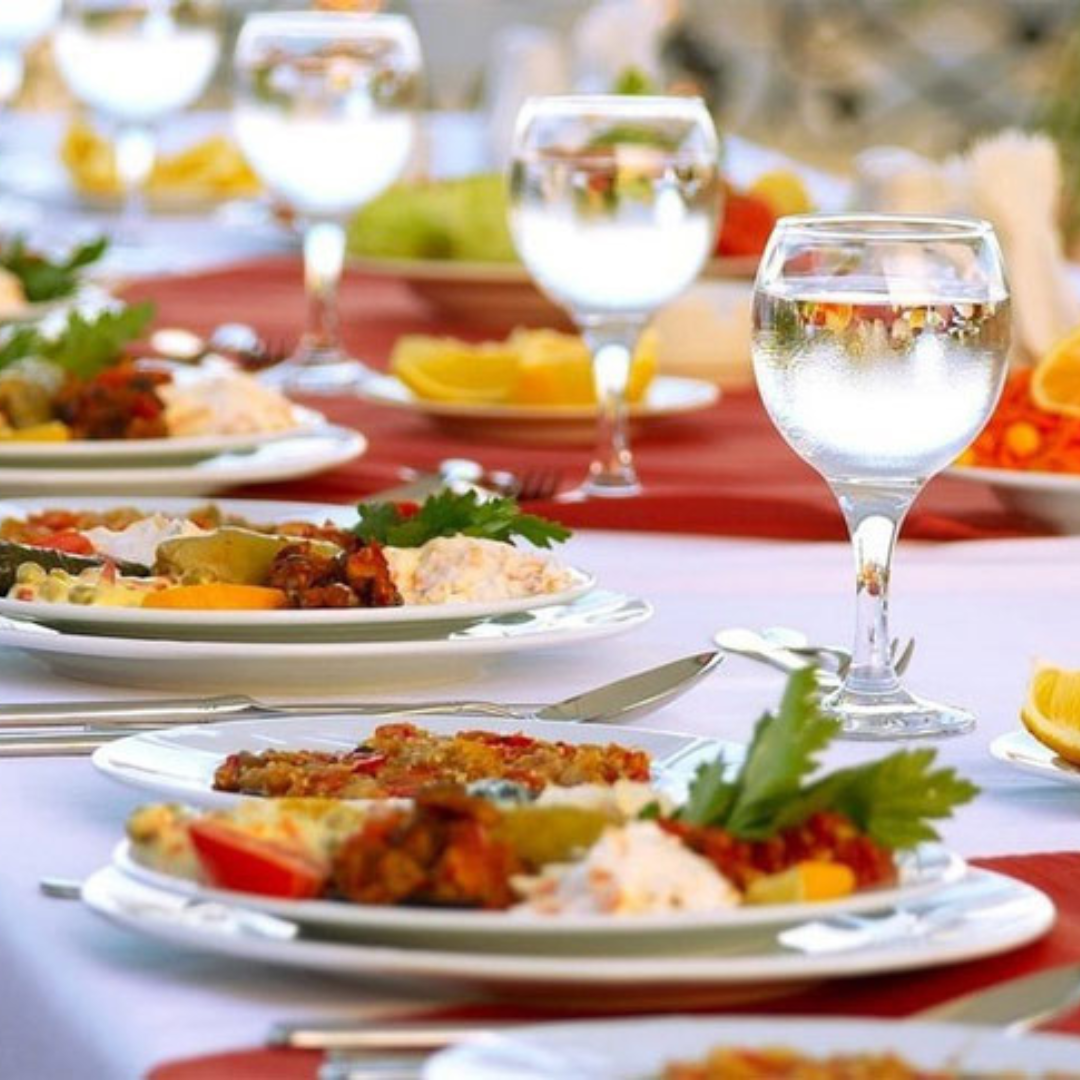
[1004, 749]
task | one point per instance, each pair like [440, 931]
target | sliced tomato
[74, 543]
[747, 224]
[232, 859]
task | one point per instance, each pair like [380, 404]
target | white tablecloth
[79, 998]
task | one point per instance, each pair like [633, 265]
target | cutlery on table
[68, 728]
[1017, 1004]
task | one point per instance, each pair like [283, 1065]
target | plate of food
[422, 655]
[1029, 452]
[387, 571]
[708, 1048]
[529, 837]
[449, 241]
[985, 914]
[534, 384]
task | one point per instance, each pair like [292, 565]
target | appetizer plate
[287, 625]
[1023, 751]
[98, 453]
[425, 656]
[668, 396]
[1053, 498]
[982, 915]
[178, 763]
[642, 1047]
[285, 458]
[926, 871]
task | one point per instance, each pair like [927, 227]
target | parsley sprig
[40, 277]
[87, 344]
[892, 800]
[450, 514]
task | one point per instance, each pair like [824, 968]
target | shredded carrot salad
[1020, 435]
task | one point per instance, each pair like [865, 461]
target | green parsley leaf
[89, 345]
[42, 279]
[450, 514]
[892, 800]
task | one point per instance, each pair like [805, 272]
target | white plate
[178, 763]
[1053, 498]
[1024, 752]
[668, 396]
[98, 453]
[285, 459]
[983, 915]
[641, 1047]
[424, 656]
[922, 873]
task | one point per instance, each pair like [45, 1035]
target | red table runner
[723, 471]
[885, 995]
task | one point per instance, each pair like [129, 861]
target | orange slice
[1055, 383]
[1052, 710]
[806, 882]
[445, 369]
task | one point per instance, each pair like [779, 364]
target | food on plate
[465, 219]
[213, 168]
[780, 1063]
[83, 382]
[1051, 711]
[531, 367]
[451, 549]
[401, 759]
[28, 276]
[447, 831]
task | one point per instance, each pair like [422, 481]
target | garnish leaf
[41, 278]
[88, 343]
[893, 800]
[450, 514]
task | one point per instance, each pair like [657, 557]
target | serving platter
[1053, 498]
[287, 458]
[173, 449]
[427, 656]
[1023, 751]
[643, 1046]
[982, 915]
[668, 397]
[926, 870]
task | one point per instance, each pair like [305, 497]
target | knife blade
[1017, 1004]
[80, 727]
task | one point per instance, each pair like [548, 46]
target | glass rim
[324, 20]
[584, 104]
[886, 227]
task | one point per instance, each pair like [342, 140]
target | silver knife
[1018, 1004]
[80, 727]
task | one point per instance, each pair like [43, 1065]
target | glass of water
[879, 347]
[325, 115]
[21, 24]
[134, 62]
[614, 203]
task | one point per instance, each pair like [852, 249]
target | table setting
[427, 638]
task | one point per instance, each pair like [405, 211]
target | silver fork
[539, 484]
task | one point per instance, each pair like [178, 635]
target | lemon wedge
[1052, 710]
[1055, 383]
[813, 880]
[783, 191]
[445, 369]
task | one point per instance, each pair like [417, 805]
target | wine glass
[325, 115]
[879, 346]
[21, 24]
[614, 202]
[134, 62]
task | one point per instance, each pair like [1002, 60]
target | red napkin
[724, 471]
[884, 995]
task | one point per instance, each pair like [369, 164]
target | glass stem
[874, 517]
[11, 74]
[612, 348]
[324, 259]
[136, 149]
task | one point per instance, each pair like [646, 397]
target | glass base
[893, 715]
[606, 485]
[317, 372]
